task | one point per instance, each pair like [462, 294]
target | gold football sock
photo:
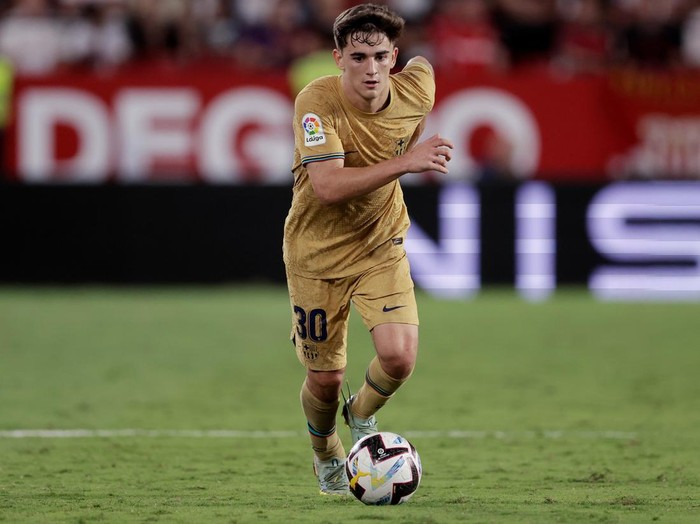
[376, 390]
[320, 417]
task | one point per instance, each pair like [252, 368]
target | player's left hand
[432, 154]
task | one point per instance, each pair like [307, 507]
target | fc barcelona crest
[400, 147]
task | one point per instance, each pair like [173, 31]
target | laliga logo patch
[313, 130]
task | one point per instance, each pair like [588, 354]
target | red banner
[221, 126]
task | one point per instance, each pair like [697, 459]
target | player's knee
[397, 349]
[399, 362]
[325, 385]
[399, 368]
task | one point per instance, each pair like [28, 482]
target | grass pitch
[565, 411]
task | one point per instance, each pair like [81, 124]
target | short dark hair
[365, 24]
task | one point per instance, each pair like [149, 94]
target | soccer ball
[383, 468]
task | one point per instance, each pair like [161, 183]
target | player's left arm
[416, 135]
[421, 126]
[421, 60]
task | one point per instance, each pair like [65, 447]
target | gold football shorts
[321, 309]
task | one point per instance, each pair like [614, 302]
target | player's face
[366, 71]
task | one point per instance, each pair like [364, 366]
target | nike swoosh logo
[386, 309]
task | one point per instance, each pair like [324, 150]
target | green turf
[570, 410]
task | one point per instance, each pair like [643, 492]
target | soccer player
[355, 135]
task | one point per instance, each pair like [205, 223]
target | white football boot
[331, 476]
[359, 427]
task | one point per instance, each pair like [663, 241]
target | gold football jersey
[339, 240]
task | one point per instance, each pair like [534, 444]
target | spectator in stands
[275, 41]
[219, 26]
[528, 30]
[164, 31]
[464, 38]
[316, 62]
[690, 35]
[251, 13]
[6, 92]
[321, 15]
[586, 40]
[39, 36]
[95, 34]
[651, 36]
[414, 42]
[31, 37]
[143, 29]
[412, 11]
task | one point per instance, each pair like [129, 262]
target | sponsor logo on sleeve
[313, 130]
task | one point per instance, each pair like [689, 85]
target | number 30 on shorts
[312, 325]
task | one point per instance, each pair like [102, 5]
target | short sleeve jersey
[339, 240]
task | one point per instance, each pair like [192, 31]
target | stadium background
[150, 141]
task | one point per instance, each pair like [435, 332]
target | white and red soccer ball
[383, 468]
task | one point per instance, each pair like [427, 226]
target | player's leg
[320, 398]
[386, 301]
[320, 312]
[397, 349]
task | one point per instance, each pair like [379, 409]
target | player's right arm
[334, 183]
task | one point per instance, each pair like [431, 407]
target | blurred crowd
[577, 36]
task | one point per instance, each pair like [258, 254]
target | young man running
[356, 134]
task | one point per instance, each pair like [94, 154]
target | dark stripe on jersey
[321, 158]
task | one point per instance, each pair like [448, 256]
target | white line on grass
[240, 434]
